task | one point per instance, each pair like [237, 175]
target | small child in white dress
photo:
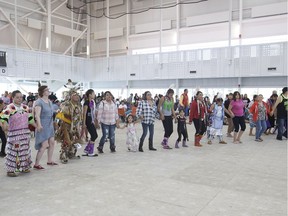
[132, 140]
[217, 110]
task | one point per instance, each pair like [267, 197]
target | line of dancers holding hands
[69, 125]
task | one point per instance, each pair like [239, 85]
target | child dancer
[132, 140]
[181, 128]
[217, 121]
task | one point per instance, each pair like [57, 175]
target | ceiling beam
[38, 9]
[10, 21]
[74, 42]
[42, 6]
[59, 6]
[25, 8]
[43, 13]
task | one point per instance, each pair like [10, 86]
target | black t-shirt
[282, 108]
[31, 98]
[226, 105]
[89, 112]
[181, 123]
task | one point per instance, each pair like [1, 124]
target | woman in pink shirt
[236, 109]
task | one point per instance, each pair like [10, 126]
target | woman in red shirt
[197, 115]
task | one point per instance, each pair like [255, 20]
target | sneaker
[166, 147]
[222, 142]
[209, 142]
[100, 151]
[258, 140]
[92, 155]
[113, 150]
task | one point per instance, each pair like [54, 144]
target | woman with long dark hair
[109, 119]
[236, 109]
[197, 115]
[90, 122]
[167, 113]
[146, 111]
[16, 118]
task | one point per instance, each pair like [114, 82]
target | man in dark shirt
[31, 97]
[229, 119]
[2, 133]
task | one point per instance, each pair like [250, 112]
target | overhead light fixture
[88, 51]
[47, 43]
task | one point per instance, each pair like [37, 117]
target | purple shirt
[237, 107]
[6, 100]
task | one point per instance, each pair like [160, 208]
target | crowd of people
[69, 122]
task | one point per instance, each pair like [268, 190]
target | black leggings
[239, 120]
[168, 126]
[92, 131]
[200, 126]
[184, 133]
[3, 139]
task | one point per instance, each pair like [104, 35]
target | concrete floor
[248, 179]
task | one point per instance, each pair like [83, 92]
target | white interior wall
[251, 27]
[247, 61]
[274, 24]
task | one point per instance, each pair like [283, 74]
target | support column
[108, 34]
[240, 43]
[161, 25]
[16, 24]
[177, 87]
[88, 37]
[72, 27]
[160, 41]
[127, 88]
[230, 36]
[178, 12]
[128, 17]
[48, 27]
[239, 84]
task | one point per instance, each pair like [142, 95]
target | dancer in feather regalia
[69, 132]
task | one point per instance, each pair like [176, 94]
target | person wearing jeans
[282, 109]
[259, 110]
[146, 111]
[109, 119]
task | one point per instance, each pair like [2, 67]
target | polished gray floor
[248, 179]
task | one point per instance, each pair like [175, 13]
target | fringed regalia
[18, 150]
[69, 132]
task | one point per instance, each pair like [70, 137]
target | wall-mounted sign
[3, 62]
